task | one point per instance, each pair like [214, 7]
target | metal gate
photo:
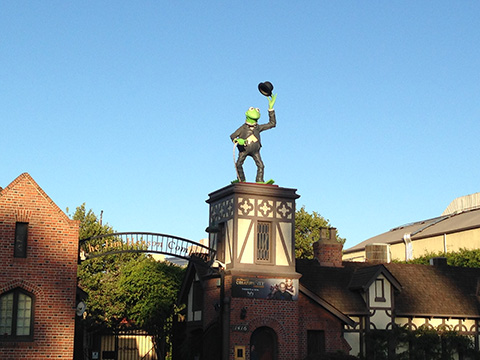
[127, 345]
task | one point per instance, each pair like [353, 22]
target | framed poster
[270, 289]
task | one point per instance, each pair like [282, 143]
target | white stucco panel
[192, 315]
[438, 323]
[353, 339]
[283, 251]
[229, 241]
[247, 240]
[380, 319]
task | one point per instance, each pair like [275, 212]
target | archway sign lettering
[145, 242]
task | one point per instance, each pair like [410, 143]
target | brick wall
[315, 317]
[48, 272]
[290, 321]
[281, 316]
[211, 302]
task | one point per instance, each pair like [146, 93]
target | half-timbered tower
[251, 304]
[252, 227]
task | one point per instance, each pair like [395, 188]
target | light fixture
[243, 313]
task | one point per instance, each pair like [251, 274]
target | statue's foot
[269, 182]
[235, 181]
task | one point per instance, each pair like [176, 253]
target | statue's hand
[271, 101]
[239, 141]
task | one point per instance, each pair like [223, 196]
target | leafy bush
[331, 356]
[461, 258]
[422, 343]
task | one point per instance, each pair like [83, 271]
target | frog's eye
[258, 110]
[251, 108]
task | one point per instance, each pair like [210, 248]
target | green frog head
[253, 114]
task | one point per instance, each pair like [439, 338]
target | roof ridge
[27, 177]
[417, 222]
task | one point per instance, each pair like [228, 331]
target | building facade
[252, 299]
[38, 263]
[458, 227]
[259, 302]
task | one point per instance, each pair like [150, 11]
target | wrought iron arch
[145, 242]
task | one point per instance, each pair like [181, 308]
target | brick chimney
[327, 250]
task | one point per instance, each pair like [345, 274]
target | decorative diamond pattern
[221, 211]
[245, 207]
[265, 208]
[284, 209]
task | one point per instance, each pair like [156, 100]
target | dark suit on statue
[251, 133]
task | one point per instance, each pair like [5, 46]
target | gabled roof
[186, 283]
[425, 290]
[435, 290]
[26, 179]
[329, 307]
[364, 277]
[332, 285]
[194, 268]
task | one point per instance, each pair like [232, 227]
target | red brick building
[38, 262]
[252, 306]
[259, 302]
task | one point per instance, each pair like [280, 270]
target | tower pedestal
[252, 227]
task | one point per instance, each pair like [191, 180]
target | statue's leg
[260, 166]
[241, 159]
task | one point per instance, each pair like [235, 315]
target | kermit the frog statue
[247, 138]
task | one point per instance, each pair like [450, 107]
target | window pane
[315, 342]
[221, 238]
[263, 242]
[21, 235]
[197, 296]
[23, 314]
[6, 314]
[379, 290]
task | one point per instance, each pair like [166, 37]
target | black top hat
[266, 88]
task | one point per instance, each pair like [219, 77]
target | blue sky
[128, 106]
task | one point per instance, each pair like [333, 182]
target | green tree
[127, 288]
[403, 343]
[307, 231]
[99, 276]
[90, 225]
[149, 291]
